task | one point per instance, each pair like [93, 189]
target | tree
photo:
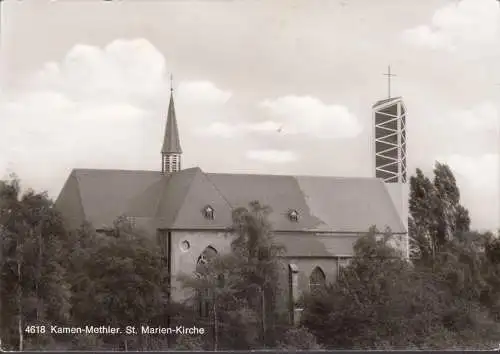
[421, 206]
[436, 215]
[119, 280]
[255, 246]
[244, 285]
[451, 217]
[298, 339]
[217, 286]
[32, 265]
[368, 303]
[382, 302]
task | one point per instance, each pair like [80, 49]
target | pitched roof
[175, 201]
[103, 194]
[171, 141]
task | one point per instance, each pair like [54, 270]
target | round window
[185, 245]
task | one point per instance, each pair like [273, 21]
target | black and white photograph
[279, 175]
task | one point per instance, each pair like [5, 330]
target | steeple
[389, 154]
[171, 151]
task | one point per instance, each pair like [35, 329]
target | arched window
[205, 295]
[205, 257]
[317, 280]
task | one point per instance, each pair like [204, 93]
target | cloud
[204, 91]
[97, 107]
[272, 156]
[479, 172]
[458, 24]
[480, 118]
[470, 131]
[219, 129]
[267, 126]
[122, 70]
[293, 115]
[231, 131]
[305, 115]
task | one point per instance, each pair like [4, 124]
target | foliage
[72, 278]
[448, 298]
[32, 264]
[216, 285]
[382, 302]
[436, 215]
[122, 278]
[243, 285]
[299, 339]
[189, 343]
[369, 302]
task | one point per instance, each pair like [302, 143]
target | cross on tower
[389, 75]
[171, 83]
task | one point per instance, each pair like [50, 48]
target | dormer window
[293, 215]
[208, 212]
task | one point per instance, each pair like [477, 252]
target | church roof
[99, 196]
[177, 200]
[171, 141]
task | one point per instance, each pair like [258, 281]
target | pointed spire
[171, 141]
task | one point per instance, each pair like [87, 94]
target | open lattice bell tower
[390, 140]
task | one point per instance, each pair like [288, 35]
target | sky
[269, 86]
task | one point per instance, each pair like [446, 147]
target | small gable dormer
[208, 212]
[293, 215]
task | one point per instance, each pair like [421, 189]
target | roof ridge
[79, 192]
[162, 191]
[217, 189]
[195, 169]
[295, 176]
[110, 170]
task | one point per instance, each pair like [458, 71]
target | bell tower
[171, 151]
[389, 153]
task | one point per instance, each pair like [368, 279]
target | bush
[299, 339]
[189, 343]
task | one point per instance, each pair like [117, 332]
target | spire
[171, 141]
[171, 150]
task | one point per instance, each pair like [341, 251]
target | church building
[317, 218]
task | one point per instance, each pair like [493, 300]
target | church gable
[203, 206]
[69, 203]
[172, 196]
[146, 204]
